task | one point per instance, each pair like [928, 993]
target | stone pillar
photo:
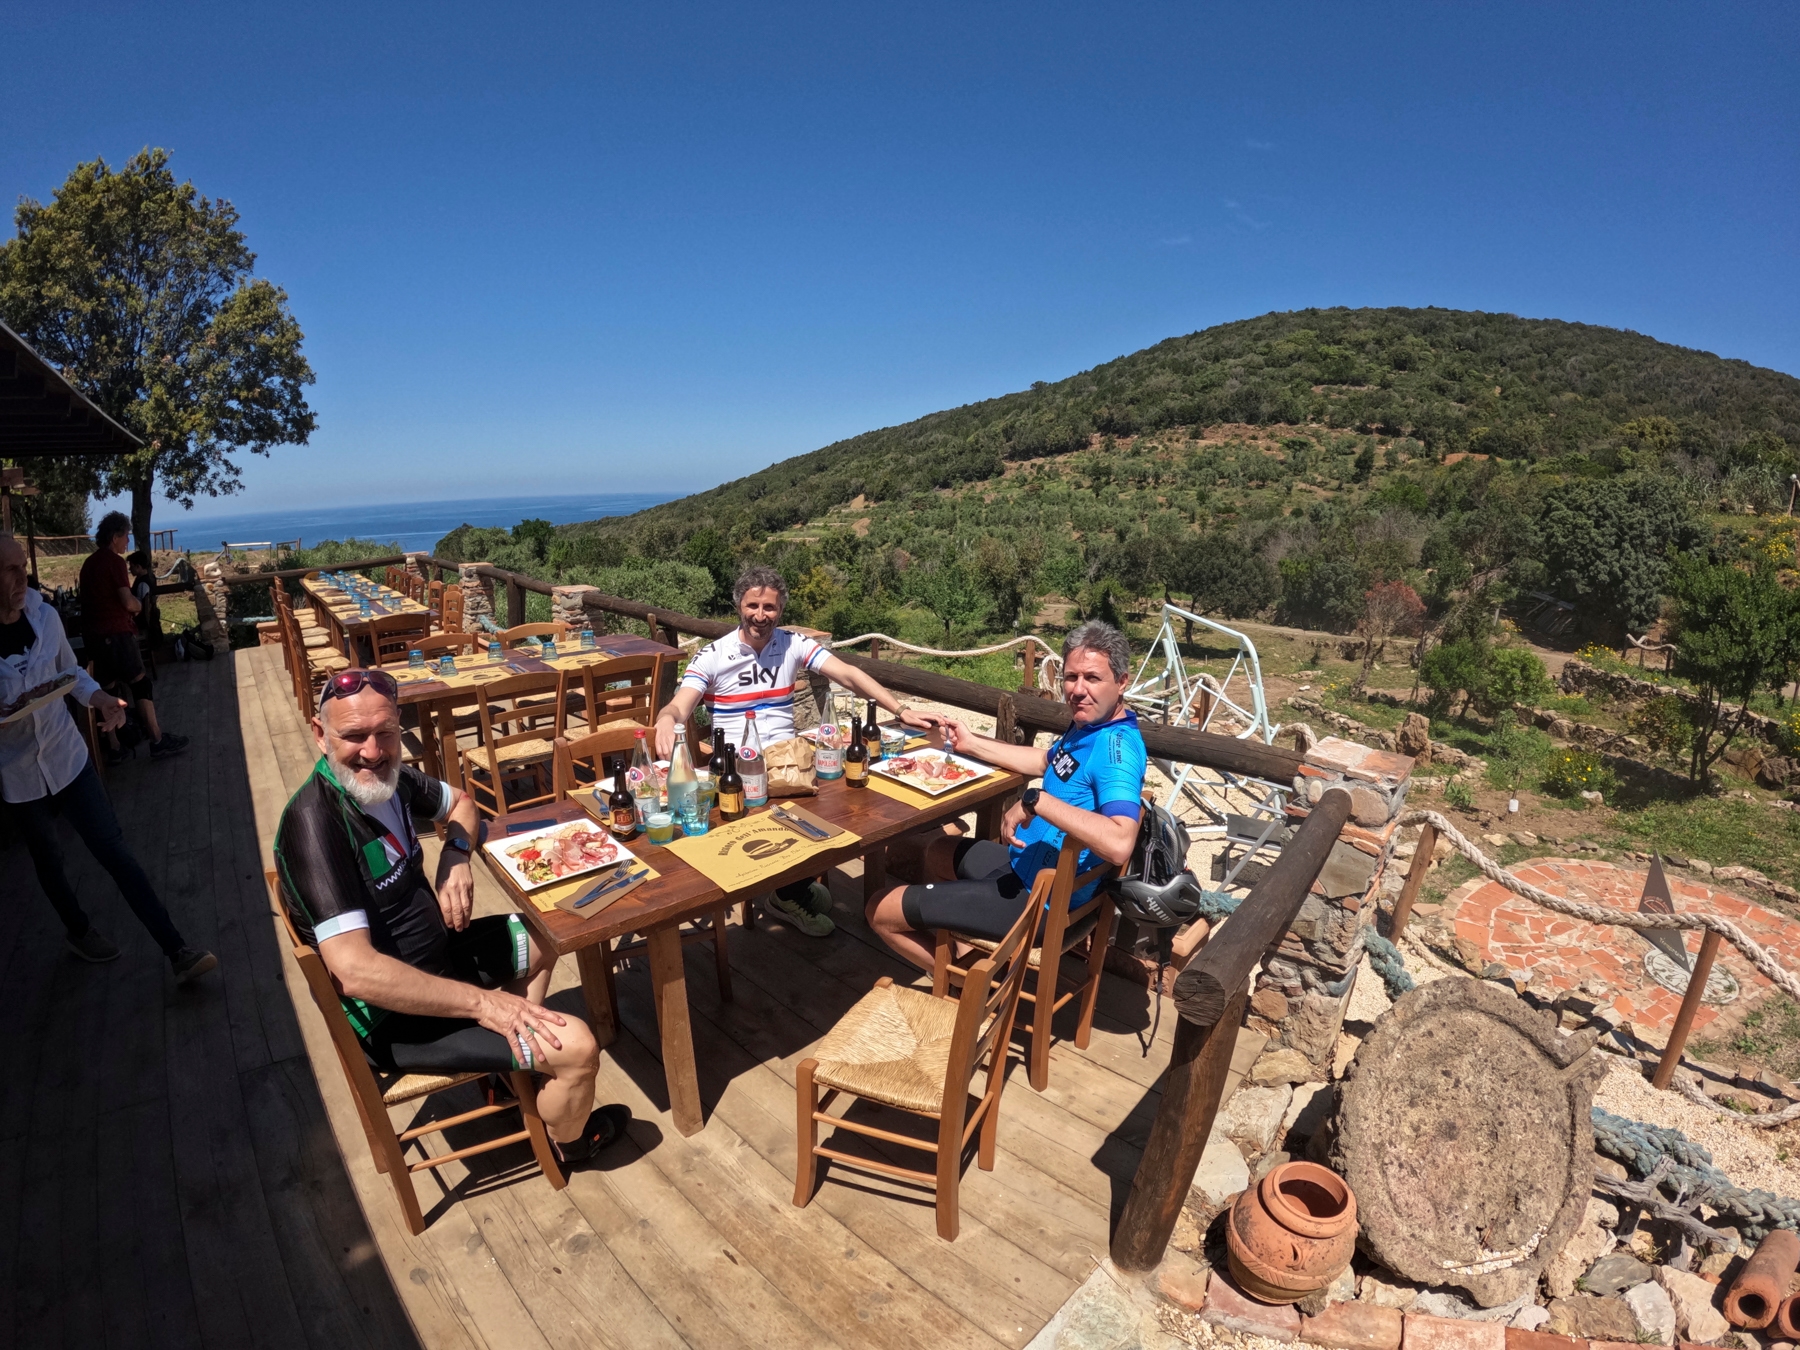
[478, 596]
[567, 605]
[415, 563]
[212, 603]
[1300, 994]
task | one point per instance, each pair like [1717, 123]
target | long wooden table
[344, 623]
[437, 701]
[657, 908]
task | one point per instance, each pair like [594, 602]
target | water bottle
[752, 767]
[684, 785]
[641, 778]
[828, 761]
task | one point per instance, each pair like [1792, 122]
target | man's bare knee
[579, 1054]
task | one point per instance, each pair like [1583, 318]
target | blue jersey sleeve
[1118, 774]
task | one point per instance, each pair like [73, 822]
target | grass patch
[1769, 1035]
[1721, 830]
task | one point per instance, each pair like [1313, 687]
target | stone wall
[478, 596]
[1578, 677]
[212, 603]
[1300, 994]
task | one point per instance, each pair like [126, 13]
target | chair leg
[806, 1099]
[541, 1149]
[990, 1123]
[943, 953]
[949, 1172]
[747, 914]
[1043, 1012]
[1090, 995]
[720, 954]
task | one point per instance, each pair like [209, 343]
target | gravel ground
[1750, 1157]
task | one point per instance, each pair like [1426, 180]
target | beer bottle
[871, 736]
[621, 807]
[731, 788]
[719, 753]
[856, 756]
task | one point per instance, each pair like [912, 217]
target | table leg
[668, 981]
[988, 816]
[596, 967]
[446, 737]
[875, 873]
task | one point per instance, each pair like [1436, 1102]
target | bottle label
[624, 821]
[856, 770]
[731, 805]
[828, 762]
[636, 779]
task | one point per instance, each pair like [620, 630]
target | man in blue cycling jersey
[1093, 780]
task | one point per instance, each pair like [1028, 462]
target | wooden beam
[1210, 995]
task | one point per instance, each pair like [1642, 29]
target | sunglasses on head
[347, 683]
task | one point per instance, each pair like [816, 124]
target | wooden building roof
[41, 413]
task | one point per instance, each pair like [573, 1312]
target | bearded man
[427, 988]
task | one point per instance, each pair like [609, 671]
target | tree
[1323, 589]
[1605, 544]
[1391, 609]
[142, 291]
[1453, 668]
[1511, 677]
[536, 535]
[950, 593]
[1221, 576]
[1734, 628]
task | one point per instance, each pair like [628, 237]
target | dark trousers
[84, 804]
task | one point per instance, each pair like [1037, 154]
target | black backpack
[1157, 889]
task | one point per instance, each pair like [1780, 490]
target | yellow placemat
[465, 678]
[744, 854]
[911, 796]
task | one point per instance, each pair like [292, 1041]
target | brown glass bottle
[730, 787]
[621, 809]
[717, 763]
[856, 757]
[871, 736]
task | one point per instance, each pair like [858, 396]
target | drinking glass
[696, 822]
[447, 664]
[416, 659]
[495, 653]
[587, 639]
[549, 649]
[706, 795]
[660, 827]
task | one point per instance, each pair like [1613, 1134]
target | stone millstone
[1465, 1131]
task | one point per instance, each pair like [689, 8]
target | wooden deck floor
[201, 1184]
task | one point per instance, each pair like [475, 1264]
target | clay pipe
[1760, 1291]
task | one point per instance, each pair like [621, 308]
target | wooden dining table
[658, 907]
[344, 623]
[436, 700]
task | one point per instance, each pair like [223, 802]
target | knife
[806, 827]
[623, 883]
[605, 877]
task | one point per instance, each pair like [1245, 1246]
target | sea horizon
[414, 526]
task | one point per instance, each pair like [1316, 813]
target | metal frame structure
[1163, 688]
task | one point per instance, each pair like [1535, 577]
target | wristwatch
[458, 843]
[1029, 800]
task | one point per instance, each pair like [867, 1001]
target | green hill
[1279, 465]
[1450, 380]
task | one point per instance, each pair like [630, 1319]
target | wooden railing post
[1029, 679]
[1690, 1004]
[1415, 878]
[1210, 995]
[515, 602]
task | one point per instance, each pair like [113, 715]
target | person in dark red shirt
[109, 620]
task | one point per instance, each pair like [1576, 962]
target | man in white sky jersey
[756, 669]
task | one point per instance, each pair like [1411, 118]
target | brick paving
[1562, 954]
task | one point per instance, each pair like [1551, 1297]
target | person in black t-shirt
[426, 987]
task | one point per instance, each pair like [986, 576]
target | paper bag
[790, 767]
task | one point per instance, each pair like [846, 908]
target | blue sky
[658, 247]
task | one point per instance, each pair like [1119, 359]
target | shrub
[1512, 676]
[1790, 730]
[1459, 795]
[1450, 669]
[1664, 725]
[1574, 771]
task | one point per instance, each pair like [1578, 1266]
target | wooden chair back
[1062, 934]
[621, 690]
[457, 644]
[449, 608]
[512, 637]
[580, 761]
[394, 635]
[516, 737]
[386, 1144]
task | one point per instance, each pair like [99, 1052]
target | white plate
[499, 849]
[64, 683]
[981, 771]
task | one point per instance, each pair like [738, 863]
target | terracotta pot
[1761, 1289]
[1291, 1233]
